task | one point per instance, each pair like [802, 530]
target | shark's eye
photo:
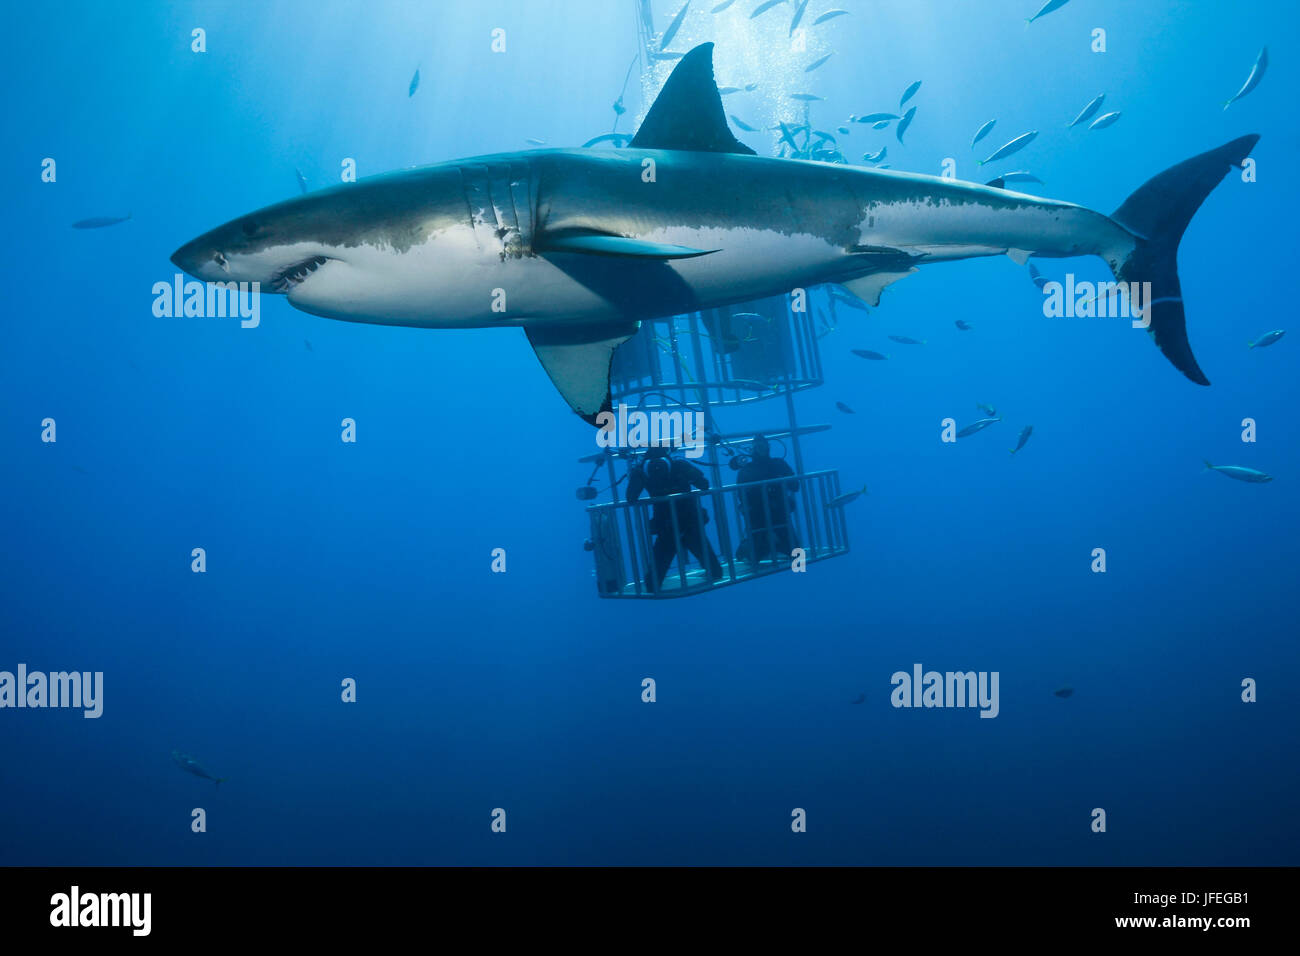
[249, 227]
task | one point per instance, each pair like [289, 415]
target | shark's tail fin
[1156, 215]
[1208, 466]
[217, 781]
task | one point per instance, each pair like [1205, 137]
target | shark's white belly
[452, 281]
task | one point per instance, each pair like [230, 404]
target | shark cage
[683, 373]
[676, 376]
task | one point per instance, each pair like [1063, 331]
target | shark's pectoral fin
[577, 358]
[604, 245]
[868, 287]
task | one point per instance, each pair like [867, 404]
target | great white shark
[577, 246]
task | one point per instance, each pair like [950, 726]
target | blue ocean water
[522, 690]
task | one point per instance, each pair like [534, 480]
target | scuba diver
[768, 507]
[659, 474]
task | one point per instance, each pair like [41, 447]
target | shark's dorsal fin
[687, 114]
[577, 358]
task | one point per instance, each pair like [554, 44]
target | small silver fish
[722, 6]
[988, 410]
[845, 409]
[876, 117]
[982, 132]
[978, 426]
[534, 141]
[742, 124]
[1015, 146]
[909, 93]
[787, 134]
[99, 222]
[904, 340]
[1109, 119]
[415, 83]
[1024, 437]
[839, 501]
[190, 765]
[1020, 176]
[1252, 81]
[1087, 112]
[764, 7]
[817, 62]
[963, 325]
[830, 15]
[728, 90]
[875, 157]
[1268, 338]
[674, 26]
[881, 125]
[1064, 692]
[1047, 8]
[1240, 473]
[904, 123]
[868, 354]
[798, 15]
[807, 97]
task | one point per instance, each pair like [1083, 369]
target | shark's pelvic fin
[577, 358]
[618, 246]
[868, 287]
[687, 114]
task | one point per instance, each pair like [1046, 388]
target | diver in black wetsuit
[658, 474]
[767, 507]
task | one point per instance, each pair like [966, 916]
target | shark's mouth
[295, 274]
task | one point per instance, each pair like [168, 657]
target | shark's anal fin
[868, 287]
[577, 358]
[617, 246]
[688, 114]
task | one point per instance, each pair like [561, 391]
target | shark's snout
[202, 260]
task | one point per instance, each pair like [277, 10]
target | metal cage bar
[822, 534]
